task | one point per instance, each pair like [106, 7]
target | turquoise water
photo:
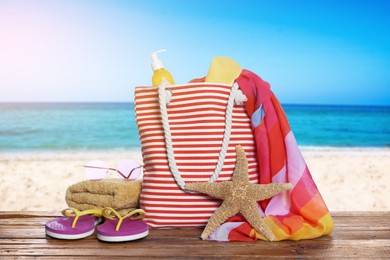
[85, 126]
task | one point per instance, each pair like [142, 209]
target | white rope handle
[168, 138]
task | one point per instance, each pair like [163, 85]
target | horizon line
[132, 102]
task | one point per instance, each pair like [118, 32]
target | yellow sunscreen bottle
[160, 74]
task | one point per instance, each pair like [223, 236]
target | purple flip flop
[121, 229]
[75, 225]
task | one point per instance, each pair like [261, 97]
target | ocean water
[91, 126]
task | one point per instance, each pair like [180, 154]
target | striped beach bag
[188, 134]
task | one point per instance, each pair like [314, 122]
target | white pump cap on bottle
[156, 62]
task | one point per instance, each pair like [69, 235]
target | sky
[311, 52]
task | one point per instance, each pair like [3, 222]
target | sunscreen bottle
[160, 74]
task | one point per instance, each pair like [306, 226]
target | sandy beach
[348, 179]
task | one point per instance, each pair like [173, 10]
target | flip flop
[74, 225]
[120, 229]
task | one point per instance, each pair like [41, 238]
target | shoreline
[352, 179]
[71, 152]
[67, 154]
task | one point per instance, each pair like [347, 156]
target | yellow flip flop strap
[107, 214]
[73, 212]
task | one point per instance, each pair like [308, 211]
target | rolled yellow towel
[121, 195]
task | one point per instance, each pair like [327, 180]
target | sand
[349, 179]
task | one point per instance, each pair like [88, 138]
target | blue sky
[311, 52]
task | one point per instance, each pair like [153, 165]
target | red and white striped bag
[189, 133]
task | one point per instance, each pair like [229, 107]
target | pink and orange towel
[300, 213]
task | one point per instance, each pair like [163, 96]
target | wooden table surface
[356, 234]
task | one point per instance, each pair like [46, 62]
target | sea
[102, 126]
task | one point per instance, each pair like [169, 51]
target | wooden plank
[351, 222]
[344, 248]
[28, 214]
[338, 234]
[154, 246]
[356, 234]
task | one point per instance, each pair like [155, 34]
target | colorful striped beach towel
[300, 213]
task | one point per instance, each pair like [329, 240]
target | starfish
[239, 196]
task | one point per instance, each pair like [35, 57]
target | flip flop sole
[69, 237]
[51, 226]
[122, 238]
